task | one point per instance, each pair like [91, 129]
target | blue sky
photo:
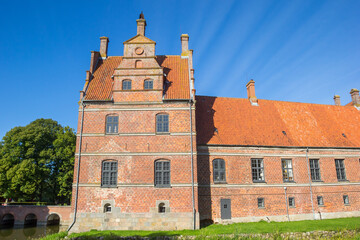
[303, 51]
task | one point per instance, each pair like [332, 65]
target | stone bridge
[30, 215]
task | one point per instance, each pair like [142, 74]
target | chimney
[104, 47]
[184, 43]
[251, 92]
[355, 96]
[141, 24]
[337, 100]
[93, 61]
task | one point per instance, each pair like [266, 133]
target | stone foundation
[134, 221]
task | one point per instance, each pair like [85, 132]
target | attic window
[343, 135]
[216, 131]
[284, 133]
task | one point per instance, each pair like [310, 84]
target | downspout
[311, 193]
[287, 206]
[78, 165]
[79, 154]
[191, 146]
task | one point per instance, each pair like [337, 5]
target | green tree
[37, 162]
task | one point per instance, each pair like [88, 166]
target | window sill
[224, 182]
[321, 205]
[343, 180]
[347, 204]
[261, 207]
[162, 133]
[259, 181]
[292, 207]
[115, 186]
[290, 182]
[111, 133]
[164, 186]
[317, 181]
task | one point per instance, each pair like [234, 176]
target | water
[29, 232]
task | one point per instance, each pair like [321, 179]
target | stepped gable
[176, 81]
[233, 121]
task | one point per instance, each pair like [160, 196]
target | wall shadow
[205, 129]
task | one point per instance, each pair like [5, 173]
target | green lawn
[340, 224]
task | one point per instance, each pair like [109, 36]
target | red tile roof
[176, 80]
[232, 121]
[100, 87]
[177, 76]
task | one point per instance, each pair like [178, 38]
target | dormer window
[148, 84]
[126, 85]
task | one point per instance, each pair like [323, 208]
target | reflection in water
[29, 232]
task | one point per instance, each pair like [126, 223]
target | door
[225, 208]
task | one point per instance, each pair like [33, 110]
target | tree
[37, 162]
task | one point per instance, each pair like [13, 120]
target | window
[161, 208]
[219, 170]
[346, 199]
[315, 170]
[340, 169]
[148, 84]
[109, 174]
[107, 208]
[112, 123]
[287, 170]
[291, 202]
[261, 203]
[320, 200]
[162, 174]
[126, 85]
[162, 123]
[257, 169]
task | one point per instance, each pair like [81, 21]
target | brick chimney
[141, 24]
[337, 100]
[93, 61]
[184, 43]
[251, 93]
[104, 47]
[355, 96]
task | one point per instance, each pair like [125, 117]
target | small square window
[261, 203]
[346, 199]
[320, 200]
[291, 202]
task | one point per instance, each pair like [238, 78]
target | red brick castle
[152, 155]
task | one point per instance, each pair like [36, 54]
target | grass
[276, 228]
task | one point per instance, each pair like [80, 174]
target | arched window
[162, 173]
[107, 208]
[161, 208]
[138, 64]
[112, 123]
[162, 123]
[148, 84]
[126, 85]
[109, 174]
[219, 170]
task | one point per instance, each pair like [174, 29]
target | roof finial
[141, 15]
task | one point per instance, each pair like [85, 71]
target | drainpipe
[286, 203]
[78, 165]
[191, 146]
[311, 193]
[192, 164]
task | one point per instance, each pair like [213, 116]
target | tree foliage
[37, 162]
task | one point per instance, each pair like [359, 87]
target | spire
[141, 15]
